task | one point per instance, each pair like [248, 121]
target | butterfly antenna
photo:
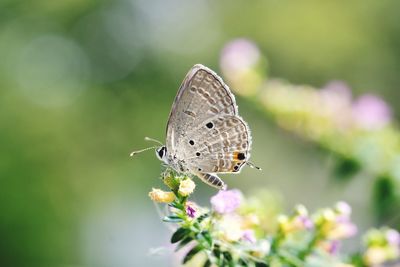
[153, 140]
[142, 150]
[251, 165]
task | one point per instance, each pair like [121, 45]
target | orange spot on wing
[238, 156]
[235, 155]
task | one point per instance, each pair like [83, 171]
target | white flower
[186, 187]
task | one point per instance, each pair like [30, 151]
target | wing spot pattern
[190, 113]
[239, 155]
[214, 110]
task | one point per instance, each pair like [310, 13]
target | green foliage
[299, 240]
[385, 198]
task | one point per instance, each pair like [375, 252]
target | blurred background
[83, 81]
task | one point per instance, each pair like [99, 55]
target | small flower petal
[226, 201]
[248, 235]
[343, 208]
[161, 196]
[393, 237]
[186, 187]
[190, 211]
[371, 112]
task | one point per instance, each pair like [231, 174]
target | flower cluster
[232, 232]
[382, 246]
[359, 131]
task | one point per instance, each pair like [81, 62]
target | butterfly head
[161, 153]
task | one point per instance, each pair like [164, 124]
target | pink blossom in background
[343, 208]
[337, 90]
[344, 227]
[226, 201]
[334, 247]
[393, 237]
[335, 102]
[371, 112]
[239, 55]
[306, 222]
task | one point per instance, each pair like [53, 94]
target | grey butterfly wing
[201, 96]
[218, 145]
[204, 128]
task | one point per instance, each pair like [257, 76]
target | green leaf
[346, 168]
[207, 263]
[191, 254]
[207, 237]
[290, 258]
[227, 256]
[384, 196]
[202, 217]
[242, 262]
[176, 205]
[183, 243]
[179, 234]
[216, 251]
[172, 219]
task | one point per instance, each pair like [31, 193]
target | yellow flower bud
[186, 187]
[158, 195]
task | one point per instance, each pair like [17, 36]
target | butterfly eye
[191, 142]
[210, 125]
[161, 152]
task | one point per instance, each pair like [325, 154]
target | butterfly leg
[212, 180]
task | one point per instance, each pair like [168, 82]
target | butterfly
[205, 135]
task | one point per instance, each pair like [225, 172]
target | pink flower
[342, 228]
[306, 222]
[371, 112]
[343, 208]
[248, 235]
[393, 237]
[190, 211]
[334, 247]
[226, 201]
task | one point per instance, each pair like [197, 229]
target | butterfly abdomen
[212, 180]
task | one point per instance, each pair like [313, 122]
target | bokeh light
[52, 71]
